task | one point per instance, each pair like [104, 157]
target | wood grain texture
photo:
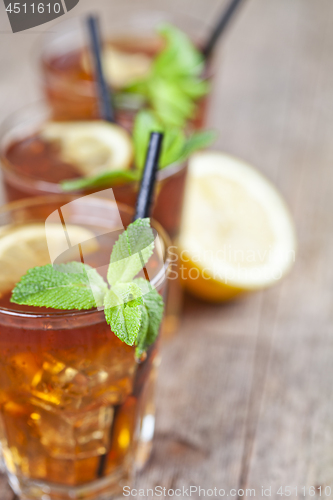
[245, 392]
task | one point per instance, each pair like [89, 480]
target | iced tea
[76, 406]
[68, 80]
[33, 166]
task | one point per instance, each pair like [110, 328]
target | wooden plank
[289, 444]
[202, 398]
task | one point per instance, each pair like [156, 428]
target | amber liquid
[32, 159]
[68, 85]
[73, 398]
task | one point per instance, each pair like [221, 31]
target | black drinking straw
[104, 93]
[145, 195]
[220, 27]
[143, 205]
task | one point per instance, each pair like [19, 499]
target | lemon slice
[93, 146]
[121, 68]
[237, 234]
[24, 247]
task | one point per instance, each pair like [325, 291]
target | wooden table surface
[245, 389]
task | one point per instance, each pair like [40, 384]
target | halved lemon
[24, 247]
[93, 146]
[237, 233]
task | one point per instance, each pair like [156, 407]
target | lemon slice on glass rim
[91, 146]
[121, 68]
[237, 234]
[24, 247]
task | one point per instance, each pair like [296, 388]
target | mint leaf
[154, 305]
[145, 123]
[173, 142]
[132, 308]
[193, 87]
[122, 293]
[64, 286]
[141, 341]
[180, 57]
[123, 311]
[137, 88]
[174, 83]
[199, 140]
[131, 252]
[100, 180]
[170, 103]
[176, 148]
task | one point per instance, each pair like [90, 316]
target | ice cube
[59, 385]
[77, 384]
[78, 435]
[23, 367]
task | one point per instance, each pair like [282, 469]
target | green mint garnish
[174, 83]
[176, 146]
[170, 92]
[180, 56]
[173, 142]
[197, 141]
[113, 177]
[131, 252]
[132, 307]
[154, 306]
[63, 286]
[176, 149]
[123, 311]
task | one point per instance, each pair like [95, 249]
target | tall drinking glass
[76, 406]
[31, 166]
[69, 85]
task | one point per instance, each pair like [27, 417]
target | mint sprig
[176, 148]
[180, 56]
[132, 307]
[170, 92]
[174, 82]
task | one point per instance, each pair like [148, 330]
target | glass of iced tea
[76, 405]
[131, 42]
[32, 165]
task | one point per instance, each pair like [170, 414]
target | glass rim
[8, 124]
[42, 200]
